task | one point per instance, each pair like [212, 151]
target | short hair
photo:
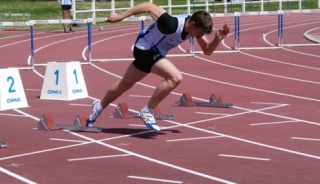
[202, 19]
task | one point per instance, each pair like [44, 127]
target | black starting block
[3, 144]
[122, 111]
[46, 123]
[214, 101]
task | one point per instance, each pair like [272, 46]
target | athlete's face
[199, 32]
[195, 31]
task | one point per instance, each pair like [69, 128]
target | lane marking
[98, 157]
[84, 105]
[211, 113]
[124, 151]
[196, 138]
[140, 96]
[43, 151]
[244, 157]
[154, 179]
[250, 88]
[68, 140]
[16, 176]
[307, 139]
[271, 123]
[155, 160]
[231, 137]
[14, 115]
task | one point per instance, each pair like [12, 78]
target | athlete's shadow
[139, 133]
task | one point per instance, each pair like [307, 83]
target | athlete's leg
[71, 17]
[131, 76]
[64, 17]
[172, 78]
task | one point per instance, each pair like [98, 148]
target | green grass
[51, 9]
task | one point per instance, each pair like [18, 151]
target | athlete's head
[201, 20]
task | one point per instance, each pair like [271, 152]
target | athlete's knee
[176, 80]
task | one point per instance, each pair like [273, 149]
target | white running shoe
[149, 120]
[95, 113]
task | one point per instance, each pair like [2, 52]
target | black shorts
[145, 59]
[66, 7]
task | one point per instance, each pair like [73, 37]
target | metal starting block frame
[46, 123]
[3, 144]
[214, 101]
[122, 111]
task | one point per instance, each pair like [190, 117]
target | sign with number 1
[63, 81]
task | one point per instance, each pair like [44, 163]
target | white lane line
[247, 111]
[211, 113]
[154, 160]
[244, 157]
[140, 96]
[307, 139]
[154, 179]
[272, 123]
[16, 176]
[250, 88]
[85, 105]
[196, 138]
[15, 115]
[67, 140]
[90, 140]
[43, 151]
[99, 157]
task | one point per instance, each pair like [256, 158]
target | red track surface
[271, 135]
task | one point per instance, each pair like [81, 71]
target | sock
[98, 106]
[147, 109]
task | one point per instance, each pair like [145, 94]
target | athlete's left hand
[223, 32]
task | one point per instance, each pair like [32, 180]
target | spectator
[66, 7]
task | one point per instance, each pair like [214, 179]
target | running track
[271, 135]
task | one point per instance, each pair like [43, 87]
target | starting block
[46, 123]
[3, 144]
[214, 101]
[122, 111]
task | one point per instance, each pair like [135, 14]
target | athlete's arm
[207, 46]
[154, 11]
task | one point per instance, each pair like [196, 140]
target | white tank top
[66, 2]
[152, 38]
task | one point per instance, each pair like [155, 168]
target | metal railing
[212, 6]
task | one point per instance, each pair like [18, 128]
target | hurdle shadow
[138, 133]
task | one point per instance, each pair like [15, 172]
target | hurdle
[31, 60]
[305, 34]
[237, 47]
[7, 15]
[278, 45]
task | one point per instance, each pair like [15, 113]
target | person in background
[150, 50]
[66, 7]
